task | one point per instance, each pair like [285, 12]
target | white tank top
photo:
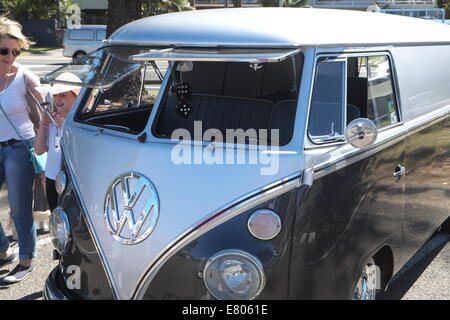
[14, 102]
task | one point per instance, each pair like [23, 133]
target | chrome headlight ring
[60, 230]
[234, 275]
[60, 182]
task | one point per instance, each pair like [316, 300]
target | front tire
[78, 55]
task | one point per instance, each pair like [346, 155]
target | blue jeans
[17, 169]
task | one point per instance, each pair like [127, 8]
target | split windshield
[241, 90]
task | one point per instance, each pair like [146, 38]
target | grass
[38, 50]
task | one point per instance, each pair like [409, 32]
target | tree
[285, 3]
[121, 12]
[43, 9]
[237, 3]
[155, 7]
[29, 9]
[445, 4]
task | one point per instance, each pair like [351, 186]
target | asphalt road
[425, 277]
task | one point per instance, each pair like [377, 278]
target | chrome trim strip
[217, 55]
[211, 221]
[348, 155]
[50, 292]
[90, 228]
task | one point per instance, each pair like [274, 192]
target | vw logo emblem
[131, 208]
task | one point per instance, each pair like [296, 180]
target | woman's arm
[41, 140]
[33, 96]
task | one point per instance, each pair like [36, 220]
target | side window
[326, 122]
[101, 35]
[370, 90]
[81, 34]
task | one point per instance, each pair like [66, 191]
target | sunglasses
[6, 51]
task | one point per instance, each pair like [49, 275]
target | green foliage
[286, 3]
[155, 7]
[36, 9]
[446, 6]
[388, 5]
[29, 9]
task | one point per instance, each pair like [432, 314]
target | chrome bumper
[51, 290]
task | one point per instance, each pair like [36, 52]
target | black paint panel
[83, 254]
[179, 277]
[428, 183]
[342, 220]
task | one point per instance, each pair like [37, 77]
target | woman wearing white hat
[49, 135]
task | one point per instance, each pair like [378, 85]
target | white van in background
[82, 40]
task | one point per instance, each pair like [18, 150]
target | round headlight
[60, 182]
[59, 230]
[234, 275]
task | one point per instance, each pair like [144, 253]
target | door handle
[399, 172]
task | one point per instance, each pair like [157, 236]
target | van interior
[222, 95]
[232, 95]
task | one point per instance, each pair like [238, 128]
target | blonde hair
[13, 30]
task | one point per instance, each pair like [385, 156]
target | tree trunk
[237, 3]
[121, 12]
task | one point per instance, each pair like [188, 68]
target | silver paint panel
[423, 78]
[277, 27]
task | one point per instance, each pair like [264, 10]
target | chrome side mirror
[361, 133]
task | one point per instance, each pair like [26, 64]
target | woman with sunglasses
[19, 120]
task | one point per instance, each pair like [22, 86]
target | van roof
[278, 27]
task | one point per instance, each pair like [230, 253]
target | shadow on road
[33, 296]
[410, 273]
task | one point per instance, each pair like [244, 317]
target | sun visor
[216, 54]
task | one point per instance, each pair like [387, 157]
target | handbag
[37, 160]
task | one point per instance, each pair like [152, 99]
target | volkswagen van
[253, 154]
[80, 41]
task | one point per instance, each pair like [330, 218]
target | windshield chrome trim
[216, 55]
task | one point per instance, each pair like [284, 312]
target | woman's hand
[45, 120]
[59, 119]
